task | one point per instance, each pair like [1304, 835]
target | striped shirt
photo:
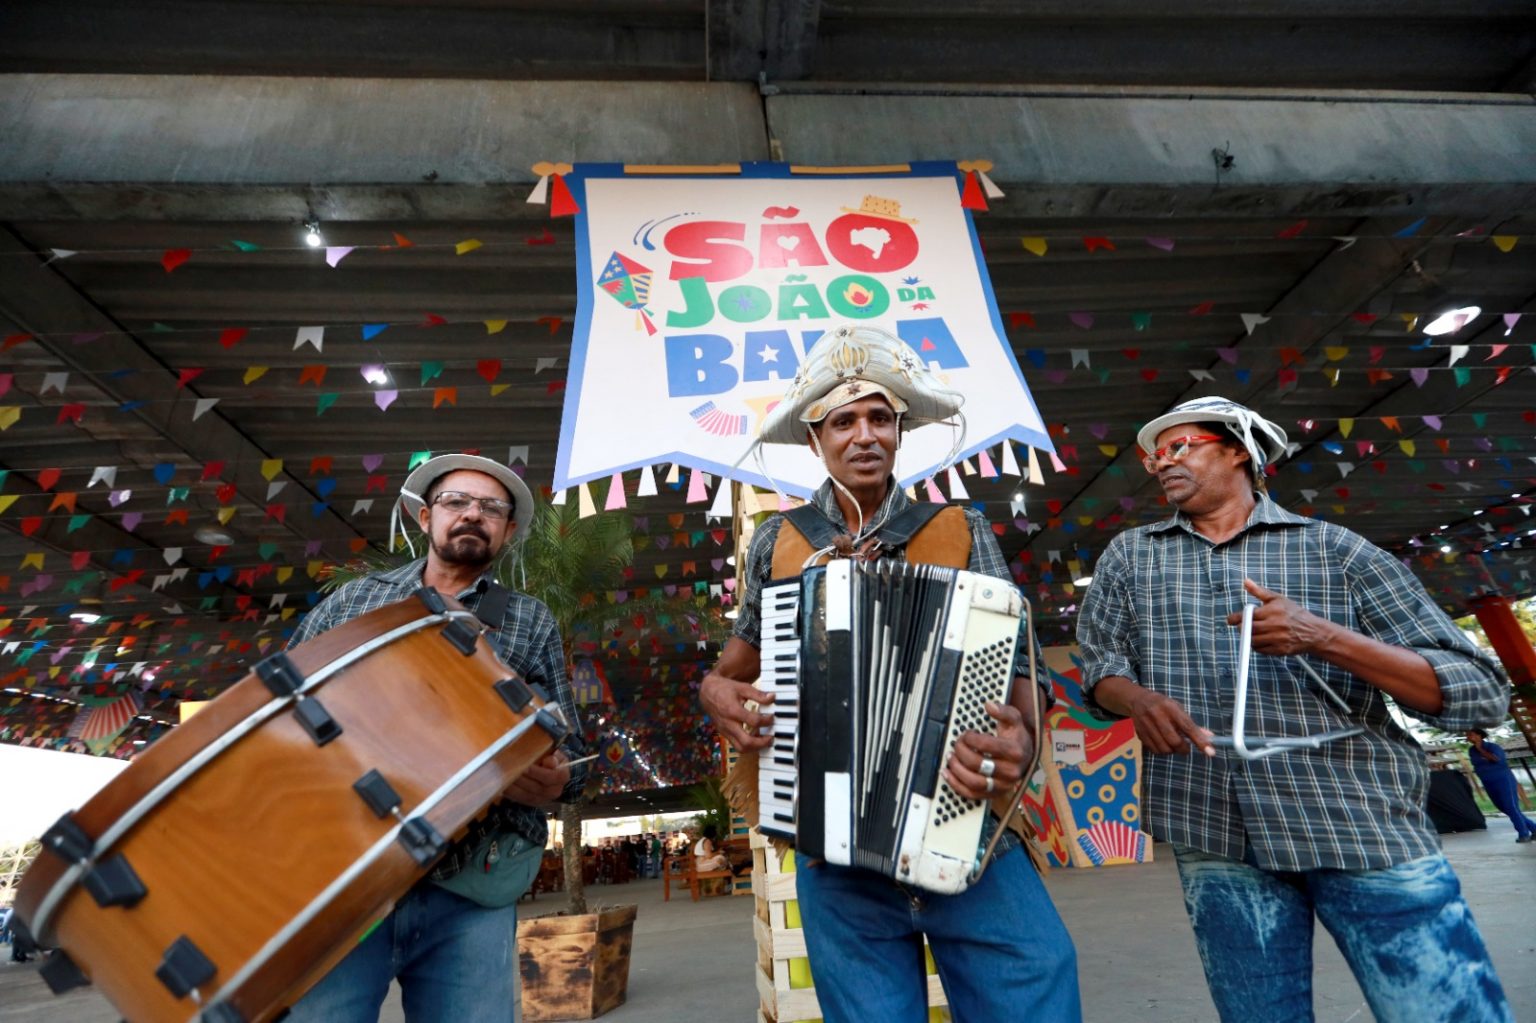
[527, 641]
[1156, 614]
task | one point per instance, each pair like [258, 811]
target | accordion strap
[947, 542]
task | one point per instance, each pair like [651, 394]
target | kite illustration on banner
[630, 285]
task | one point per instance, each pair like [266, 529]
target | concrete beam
[1141, 153]
[105, 146]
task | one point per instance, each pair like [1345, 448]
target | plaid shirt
[986, 559]
[1156, 614]
[527, 641]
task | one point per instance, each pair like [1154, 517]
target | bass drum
[245, 852]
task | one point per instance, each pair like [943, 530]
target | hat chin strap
[860, 534]
[396, 522]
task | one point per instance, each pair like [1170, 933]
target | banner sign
[699, 295]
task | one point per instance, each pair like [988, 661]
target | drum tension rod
[417, 834]
[183, 969]
[515, 691]
[279, 674]
[111, 882]
[61, 974]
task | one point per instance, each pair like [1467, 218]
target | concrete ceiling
[132, 134]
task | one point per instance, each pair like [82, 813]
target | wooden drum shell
[242, 846]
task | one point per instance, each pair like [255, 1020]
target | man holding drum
[451, 940]
[1000, 947]
[1266, 842]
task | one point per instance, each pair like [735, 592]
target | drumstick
[583, 760]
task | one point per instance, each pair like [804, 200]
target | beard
[467, 546]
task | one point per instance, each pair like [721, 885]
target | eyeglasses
[457, 504]
[1177, 450]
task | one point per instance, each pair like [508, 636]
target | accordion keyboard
[779, 656]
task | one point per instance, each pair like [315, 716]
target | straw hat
[413, 494]
[1264, 441]
[852, 362]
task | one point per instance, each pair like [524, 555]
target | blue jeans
[455, 961]
[1405, 930]
[1505, 793]
[1001, 950]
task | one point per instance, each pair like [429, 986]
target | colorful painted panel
[1085, 802]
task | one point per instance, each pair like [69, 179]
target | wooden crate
[785, 992]
[575, 967]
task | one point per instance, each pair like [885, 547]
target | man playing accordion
[999, 945]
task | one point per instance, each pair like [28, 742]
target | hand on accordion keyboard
[726, 701]
[1008, 752]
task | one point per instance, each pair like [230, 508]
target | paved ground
[693, 962]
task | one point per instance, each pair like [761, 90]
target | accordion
[877, 670]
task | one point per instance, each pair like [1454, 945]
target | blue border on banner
[577, 182]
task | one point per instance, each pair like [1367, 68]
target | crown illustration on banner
[886, 209]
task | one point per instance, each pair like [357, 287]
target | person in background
[1338, 832]
[1492, 768]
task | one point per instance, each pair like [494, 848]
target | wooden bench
[683, 869]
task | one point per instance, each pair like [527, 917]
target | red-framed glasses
[1176, 450]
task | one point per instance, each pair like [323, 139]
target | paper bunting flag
[232, 336]
[957, 491]
[932, 489]
[309, 336]
[495, 326]
[697, 489]
[647, 487]
[1505, 242]
[9, 415]
[615, 500]
[720, 508]
[253, 374]
[1251, 320]
[172, 258]
[54, 382]
[336, 253]
[467, 245]
[1035, 475]
[201, 407]
[1036, 246]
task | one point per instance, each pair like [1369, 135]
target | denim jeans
[1001, 950]
[1405, 930]
[455, 961]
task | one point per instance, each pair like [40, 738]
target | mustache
[469, 531]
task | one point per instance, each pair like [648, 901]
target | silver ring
[991, 784]
[988, 768]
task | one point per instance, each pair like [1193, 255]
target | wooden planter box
[575, 967]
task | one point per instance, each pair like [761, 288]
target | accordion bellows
[877, 671]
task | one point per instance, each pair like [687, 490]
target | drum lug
[280, 674]
[432, 599]
[113, 882]
[423, 841]
[68, 840]
[380, 796]
[552, 723]
[462, 635]
[61, 974]
[317, 721]
[515, 691]
[183, 967]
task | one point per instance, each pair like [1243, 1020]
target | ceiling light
[1445, 548]
[731, 614]
[1085, 580]
[312, 236]
[1452, 320]
[86, 617]
[375, 374]
[213, 536]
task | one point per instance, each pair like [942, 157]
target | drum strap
[492, 609]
